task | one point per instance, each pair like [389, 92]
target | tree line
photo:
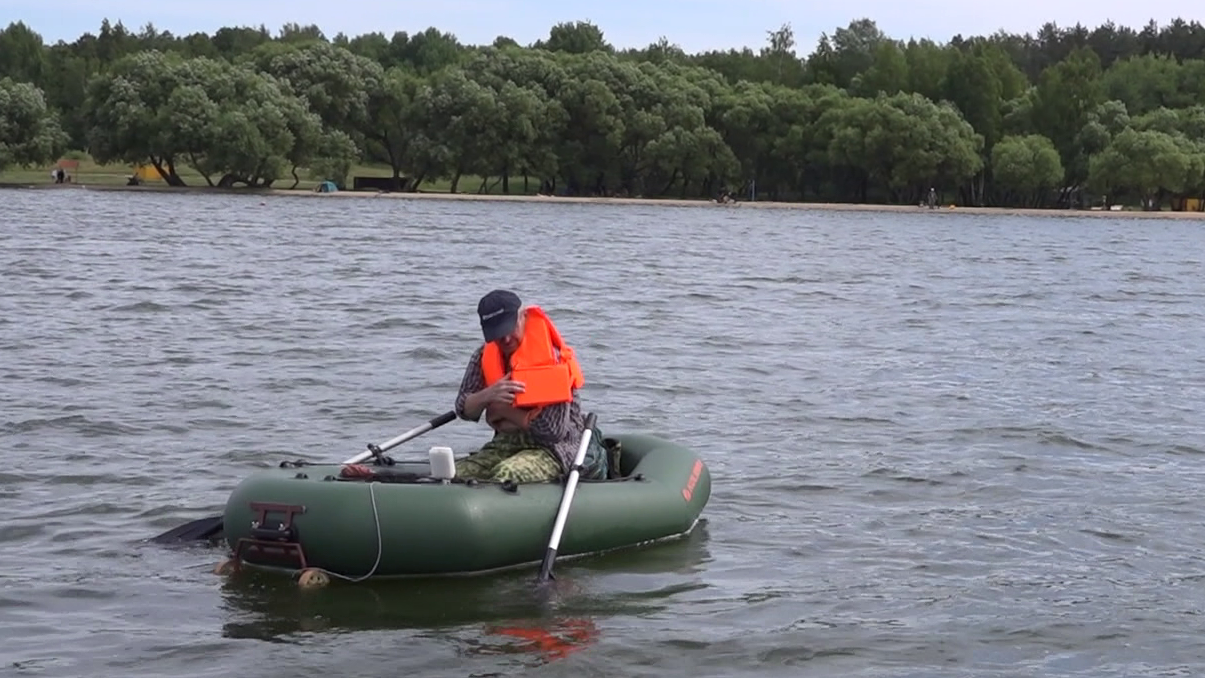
[1066, 117]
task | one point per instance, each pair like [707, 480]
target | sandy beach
[668, 202]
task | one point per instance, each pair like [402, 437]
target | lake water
[941, 444]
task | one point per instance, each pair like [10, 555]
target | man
[524, 378]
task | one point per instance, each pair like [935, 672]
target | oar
[378, 450]
[208, 529]
[566, 499]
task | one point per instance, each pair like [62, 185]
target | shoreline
[662, 202]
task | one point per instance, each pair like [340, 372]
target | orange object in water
[546, 366]
[556, 642]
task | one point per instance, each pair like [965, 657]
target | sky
[696, 26]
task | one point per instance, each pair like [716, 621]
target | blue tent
[327, 187]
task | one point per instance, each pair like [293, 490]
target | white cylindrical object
[443, 465]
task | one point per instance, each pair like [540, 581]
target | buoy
[312, 578]
[224, 568]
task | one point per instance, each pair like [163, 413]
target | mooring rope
[376, 519]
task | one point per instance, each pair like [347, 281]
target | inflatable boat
[384, 519]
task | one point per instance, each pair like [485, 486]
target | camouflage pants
[510, 456]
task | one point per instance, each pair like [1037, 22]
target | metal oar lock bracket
[272, 540]
[379, 458]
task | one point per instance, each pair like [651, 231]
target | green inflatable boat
[396, 520]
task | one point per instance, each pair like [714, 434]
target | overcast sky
[696, 26]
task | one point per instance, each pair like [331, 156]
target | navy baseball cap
[499, 311]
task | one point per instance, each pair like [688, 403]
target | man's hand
[501, 392]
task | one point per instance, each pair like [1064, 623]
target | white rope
[377, 520]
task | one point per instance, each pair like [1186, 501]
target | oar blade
[205, 529]
[546, 567]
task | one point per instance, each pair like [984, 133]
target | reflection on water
[504, 613]
[547, 639]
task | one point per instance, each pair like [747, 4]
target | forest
[1068, 117]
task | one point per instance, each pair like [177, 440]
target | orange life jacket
[546, 365]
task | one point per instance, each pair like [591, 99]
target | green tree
[577, 37]
[887, 74]
[372, 46]
[804, 123]
[394, 124]
[972, 85]
[235, 42]
[1066, 93]
[1026, 168]
[864, 117]
[780, 51]
[337, 84]
[128, 116]
[1144, 82]
[457, 114]
[426, 52]
[219, 118]
[849, 52]
[746, 119]
[1146, 164]
[927, 65]
[29, 129]
[906, 144]
[22, 54]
